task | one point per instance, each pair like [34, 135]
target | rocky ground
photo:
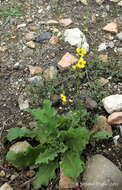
[35, 64]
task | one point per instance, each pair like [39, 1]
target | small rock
[44, 36]
[99, 1]
[14, 176]
[52, 22]
[21, 25]
[119, 50]
[115, 1]
[3, 48]
[31, 44]
[20, 147]
[36, 81]
[102, 125]
[30, 173]
[111, 27]
[35, 70]
[66, 61]
[113, 103]
[27, 52]
[54, 40]
[101, 174]
[65, 182]
[103, 57]
[50, 73]
[34, 28]
[90, 103]
[119, 36]
[110, 44]
[65, 22]
[115, 118]
[76, 38]
[23, 104]
[120, 3]
[102, 46]
[16, 66]
[30, 36]
[6, 186]
[2, 173]
[103, 81]
[84, 2]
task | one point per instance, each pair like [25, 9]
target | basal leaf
[102, 135]
[45, 173]
[72, 165]
[23, 159]
[17, 132]
[46, 156]
[76, 139]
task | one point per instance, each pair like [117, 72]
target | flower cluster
[81, 62]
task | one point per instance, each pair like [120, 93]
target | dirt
[13, 80]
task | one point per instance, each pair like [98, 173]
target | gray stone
[90, 103]
[110, 44]
[44, 36]
[76, 38]
[101, 174]
[27, 52]
[6, 186]
[30, 36]
[119, 36]
[36, 81]
[50, 73]
[113, 103]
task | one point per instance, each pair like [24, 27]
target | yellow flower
[63, 98]
[74, 66]
[81, 51]
[81, 61]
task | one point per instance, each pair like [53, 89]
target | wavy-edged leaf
[76, 139]
[45, 173]
[23, 159]
[102, 135]
[72, 165]
[17, 132]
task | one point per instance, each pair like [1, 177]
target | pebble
[23, 103]
[101, 174]
[30, 36]
[44, 36]
[102, 46]
[115, 118]
[36, 81]
[66, 183]
[54, 40]
[34, 28]
[2, 173]
[65, 22]
[103, 57]
[50, 73]
[103, 81]
[90, 103]
[110, 44]
[66, 61]
[21, 25]
[113, 103]
[6, 186]
[27, 52]
[99, 1]
[102, 125]
[35, 70]
[52, 22]
[119, 50]
[111, 27]
[84, 2]
[119, 36]
[31, 44]
[76, 38]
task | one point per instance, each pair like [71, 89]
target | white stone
[113, 103]
[20, 147]
[6, 186]
[84, 2]
[23, 104]
[120, 3]
[102, 46]
[119, 36]
[76, 38]
[99, 1]
[21, 25]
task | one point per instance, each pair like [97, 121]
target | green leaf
[46, 156]
[17, 132]
[44, 175]
[72, 165]
[102, 135]
[23, 159]
[76, 139]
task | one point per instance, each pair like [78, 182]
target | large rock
[6, 186]
[115, 118]
[113, 103]
[101, 174]
[76, 38]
